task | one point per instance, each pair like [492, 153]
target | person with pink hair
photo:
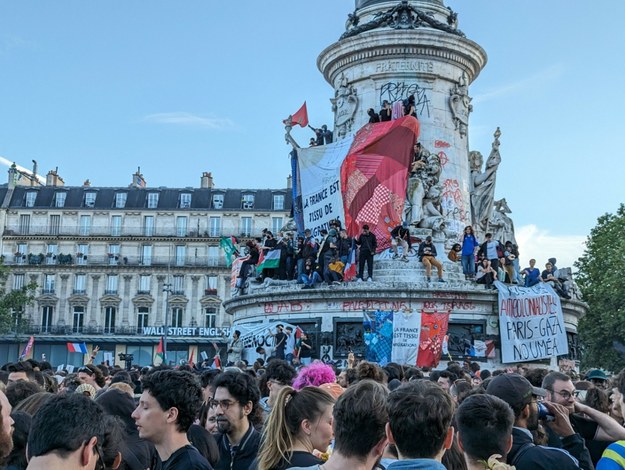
[314, 375]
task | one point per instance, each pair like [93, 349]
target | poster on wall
[530, 323]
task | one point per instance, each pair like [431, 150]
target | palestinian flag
[159, 357]
[269, 261]
[228, 245]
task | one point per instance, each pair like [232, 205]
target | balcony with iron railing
[125, 230]
[113, 260]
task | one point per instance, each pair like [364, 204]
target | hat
[596, 374]
[514, 389]
[85, 389]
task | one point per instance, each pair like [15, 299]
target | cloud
[541, 245]
[9, 42]
[550, 74]
[190, 120]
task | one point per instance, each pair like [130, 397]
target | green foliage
[601, 278]
[12, 302]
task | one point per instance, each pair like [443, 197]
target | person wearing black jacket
[235, 403]
[368, 245]
[400, 235]
[492, 250]
[344, 244]
[254, 254]
[523, 398]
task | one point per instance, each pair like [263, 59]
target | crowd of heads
[283, 415]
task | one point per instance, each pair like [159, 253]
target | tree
[601, 278]
[12, 303]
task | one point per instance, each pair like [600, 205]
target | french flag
[77, 347]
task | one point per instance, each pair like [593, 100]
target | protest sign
[530, 323]
[406, 335]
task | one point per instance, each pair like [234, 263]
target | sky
[99, 89]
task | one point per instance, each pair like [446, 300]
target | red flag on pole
[191, 363]
[300, 117]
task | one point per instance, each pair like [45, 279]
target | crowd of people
[312, 416]
[493, 260]
[313, 261]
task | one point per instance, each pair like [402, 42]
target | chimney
[53, 178]
[206, 181]
[289, 182]
[13, 176]
[138, 181]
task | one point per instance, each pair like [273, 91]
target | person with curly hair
[314, 375]
[167, 408]
[300, 423]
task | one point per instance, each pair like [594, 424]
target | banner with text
[320, 174]
[530, 323]
[406, 336]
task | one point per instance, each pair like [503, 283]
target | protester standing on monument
[469, 247]
[386, 113]
[368, 245]
[492, 250]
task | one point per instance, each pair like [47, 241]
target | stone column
[126, 300]
[193, 307]
[62, 313]
[161, 299]
[94, 300]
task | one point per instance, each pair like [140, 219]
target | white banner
[254, 335]
[406, 335]
[320, 179]
[530, 323]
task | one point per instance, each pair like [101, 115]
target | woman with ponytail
[300, 422]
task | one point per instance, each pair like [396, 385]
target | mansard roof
[136, 198]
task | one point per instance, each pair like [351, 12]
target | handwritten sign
[530, 323]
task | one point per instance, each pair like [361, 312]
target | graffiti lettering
[450, 295]
[448, 306]
[443, 158]
[441, 144]
[283, 307]
[359, 305]
[395, 91]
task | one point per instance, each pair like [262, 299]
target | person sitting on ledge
[549, 277]
[427, 255]
[485, 274]
[309, 275]
[455, 254]
[532, 274]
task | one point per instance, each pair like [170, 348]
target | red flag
[191, 363]
[298, 337]
[433, 331]
[374, 177]
[300, 117]
[216, 362]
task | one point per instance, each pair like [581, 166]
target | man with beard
[167, 408]
[6, 427]
[523, 398]
[235, 404]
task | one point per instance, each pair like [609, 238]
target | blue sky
[178, 88]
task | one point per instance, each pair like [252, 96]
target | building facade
[121, 267]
